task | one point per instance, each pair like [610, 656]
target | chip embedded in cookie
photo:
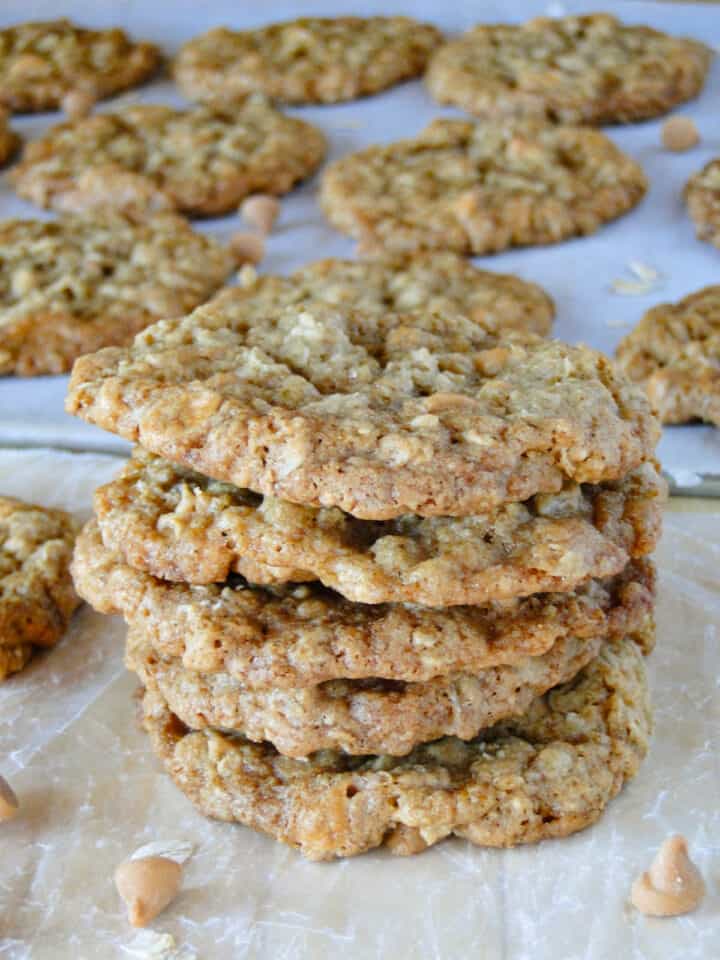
[310, 60]
[76, 284]
[150, 157]
[702, 195]
[9, 140]
[37, 596]
[41, 63]
[479, 188]
[674, 352]
[579, 69]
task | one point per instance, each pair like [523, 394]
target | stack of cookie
[385, 574]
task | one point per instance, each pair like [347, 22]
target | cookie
[378, 415]
[179, 525]
[478, 188]
[310, 60]
[578, 69]
[9, 141]
[702, 195]
[74, 285]
[145, 157]
[41, 63]
[37, 597]
[674, 352]
[546, 774]
[303, 635]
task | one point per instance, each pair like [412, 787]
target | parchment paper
[92, 793]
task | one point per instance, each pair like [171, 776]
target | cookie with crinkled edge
[42, 62]
[702, 196]
[37, 597]
[74, 285]
[303, 635]
[674, 352]
[309, 60]
[479, 188]
[589, 69]
[9, 140]
[545, 774]
[146, 158]
[379, 415]
[179, 525]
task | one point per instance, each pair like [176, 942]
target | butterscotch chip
[310, 60]
[148, 885]
[578, 69]
[155, 157]
[302, 635]
[261, 211]
[179, 525]
[547, 773]
[247, 248]
[679, 134]
[323, 406]
[74, 285]
[702, 195]
[480, 187]
[9, 140]
[42, 63]
[37, 596]
[674, 352]
[9, 805]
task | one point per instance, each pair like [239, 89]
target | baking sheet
[92, 793]
[578, 274]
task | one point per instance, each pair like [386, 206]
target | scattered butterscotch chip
[147, 885]
[679, 134]
[77, 104]
[261, 211]
[247, 247]
[673, 884]
[9, 805]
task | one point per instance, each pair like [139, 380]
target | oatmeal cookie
[151, 157]
[548, 773]
[579, 69]
[37, 596]
[303, 635]
[310, 60]
[378, 415]
[674, 352]
[478, 188]
[74, 285]
[702, 195]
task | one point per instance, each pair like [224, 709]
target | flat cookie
[310, 60]
[579, 69]
[179, 525]
[37, 596]
[303, 635]
[74, 285]
[41, 63]
[674, 352]
[9, 141]
[546, 774]
[379, 415]
[702, 195]
[146, 157]
[479, 188]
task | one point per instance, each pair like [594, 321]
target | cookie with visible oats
[325, 406]
[179, 525]
[674, 352]
[37, 596]
[151, 157]
[579, 69]
[302, 635]
[479, 188]
[74, 285]
[41, 63]
[310, 60]
[702, 195]
[9, 141]
[548, 773]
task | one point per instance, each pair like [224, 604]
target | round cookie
[9, 141]
[479, 188]
[674, 352]
[74, 285]
[303, 635]
[546, 774]
[702, 195]
[579, 69]
[179, 525]
[37, 597]
[381, 416]
[309, 60]
[151, 157]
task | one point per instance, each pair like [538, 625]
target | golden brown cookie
[702, 195]
[309, 60]
[589, 69]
